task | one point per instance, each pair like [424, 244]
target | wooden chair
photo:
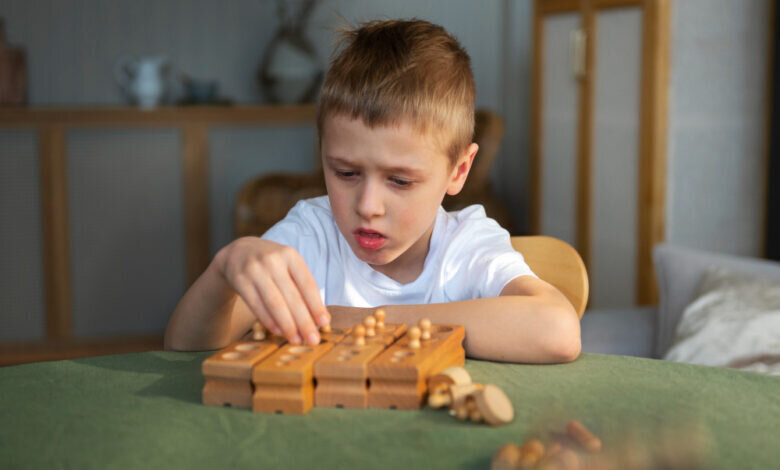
[265, 200]
[558, 263]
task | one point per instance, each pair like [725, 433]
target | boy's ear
[461, 169]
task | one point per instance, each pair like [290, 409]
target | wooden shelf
[164, 116]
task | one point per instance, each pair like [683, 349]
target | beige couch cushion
[734, 322]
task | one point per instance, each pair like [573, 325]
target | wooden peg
[462, 412]
[448, 377]
[325, 329]
[414, 337]
[258, 331]
[370, 323]
[473, 410]
[359, 333]
[460, 392]
[379, 314]
[425, 327]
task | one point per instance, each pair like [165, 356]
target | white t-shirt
[470, 256]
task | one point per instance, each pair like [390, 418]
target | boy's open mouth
[369, 239]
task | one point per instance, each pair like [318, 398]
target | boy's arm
[530, 322]
[208, 316]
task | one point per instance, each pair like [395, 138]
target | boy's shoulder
[308, 217]
[469, 231]
[470, 219]
[314, 210]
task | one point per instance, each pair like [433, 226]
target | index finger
[310, 292]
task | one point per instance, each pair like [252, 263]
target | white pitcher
[144, 80]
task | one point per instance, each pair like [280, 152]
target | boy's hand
[275, 283]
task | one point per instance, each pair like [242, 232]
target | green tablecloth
[144, 411]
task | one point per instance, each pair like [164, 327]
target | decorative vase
[290, 72]
[145, 80]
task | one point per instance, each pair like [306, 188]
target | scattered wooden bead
[530, 453]
[325, 329]
[584, 438]
[507, 458]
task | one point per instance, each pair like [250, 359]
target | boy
[395, 122]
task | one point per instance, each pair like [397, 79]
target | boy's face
[385, 186]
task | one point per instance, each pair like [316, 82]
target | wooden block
[284, 382]
[228, 373]
[399, 375]
[342, 373]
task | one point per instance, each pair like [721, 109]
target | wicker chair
[266, 199]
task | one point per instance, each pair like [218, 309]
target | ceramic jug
[144, 80]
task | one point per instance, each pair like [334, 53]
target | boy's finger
[276, 306]
[246, 290]
[310, 292]
[300, 312]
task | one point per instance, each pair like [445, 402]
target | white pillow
[735, 322]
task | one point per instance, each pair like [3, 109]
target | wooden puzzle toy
[228, 373]
[374, 364]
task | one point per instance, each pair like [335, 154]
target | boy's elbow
[565, 344]
[169, 342]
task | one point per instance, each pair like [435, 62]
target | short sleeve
[306, 228]
[479, 260]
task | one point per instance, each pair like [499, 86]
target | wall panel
[126, 230]
[21, 263]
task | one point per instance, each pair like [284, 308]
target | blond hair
[390, 71]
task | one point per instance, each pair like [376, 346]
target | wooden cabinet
[599, 137]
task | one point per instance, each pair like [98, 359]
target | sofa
[649, 331]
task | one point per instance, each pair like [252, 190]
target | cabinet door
[615, 156]
[599, 138]
[558, 92]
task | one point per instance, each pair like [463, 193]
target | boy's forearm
[506, 328]
[202, 319]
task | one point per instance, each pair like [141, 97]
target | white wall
[717, 118]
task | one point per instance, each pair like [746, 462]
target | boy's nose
[369, 204]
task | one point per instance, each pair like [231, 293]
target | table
[144, 411]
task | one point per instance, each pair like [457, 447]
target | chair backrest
[558, 263]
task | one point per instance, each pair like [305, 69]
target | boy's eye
[346, 173]
[400, 182]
